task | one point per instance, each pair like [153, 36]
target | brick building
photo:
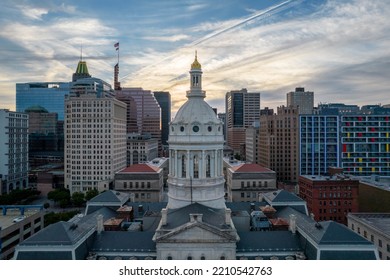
[330, 197]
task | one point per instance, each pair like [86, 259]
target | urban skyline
[338, 50]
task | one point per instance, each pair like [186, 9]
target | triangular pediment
[197, 233]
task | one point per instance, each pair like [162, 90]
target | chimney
[164, 216]
[99, 221]
[228, 216]
[293, 223]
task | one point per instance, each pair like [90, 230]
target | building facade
[365, 142]
[18, 222]
[242, 109]
[143, 112]
[252, 135]
[13, 150]
[302, 99]
[144, 182]
[330, 197]
[95, 136]
[246, 182]
[319, 144]
[51, 96]
[373, 227]
[279, 143]
[164, 100]
[141, 148]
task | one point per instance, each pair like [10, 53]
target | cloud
[172, 38]
[277, 49]
[33, 13]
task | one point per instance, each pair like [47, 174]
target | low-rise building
[375, 227]
[246, 181]
[17, 223]
[330, 197]
[143, 181]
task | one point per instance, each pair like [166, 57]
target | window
[208, 160]
[372, 238]
[388, 248]
[196, 167]
[183, 166]
[380, 243]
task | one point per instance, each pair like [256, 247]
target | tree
[60, 195]
[78, 198]
[91, 194]
[46, 205]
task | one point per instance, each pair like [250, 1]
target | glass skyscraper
[50, 96]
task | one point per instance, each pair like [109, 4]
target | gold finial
[196, 64]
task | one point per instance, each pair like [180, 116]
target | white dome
[196, 110]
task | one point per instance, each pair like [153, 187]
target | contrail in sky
[257, 16]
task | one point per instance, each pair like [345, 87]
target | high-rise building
[279, 143]
[242, 109]
[143, 112]
[301, 98]
[330, 197]
[222, 117]
[42, 129]
[81, 71]
[365, 142]
[95, 136]
[50, 96]
[13, 150]
[164, 100]
[252, 135]
[319, 144]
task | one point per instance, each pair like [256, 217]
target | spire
[196, 64]
[196, 79]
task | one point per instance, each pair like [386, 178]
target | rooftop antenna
[81, 52]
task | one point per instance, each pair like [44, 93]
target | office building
[95, 136]
[375, 228]
[319, 143]
[143, 112]
[141, 148]
[252, 135]
[50, 96]
[164, 100]
[242, 109]
[279, 143]
[13, 150]
[330, 197]
[304, 100]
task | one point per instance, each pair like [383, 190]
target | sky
[340, 50]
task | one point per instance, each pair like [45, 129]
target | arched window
[183, 166]
[208, 164]
[196, 167]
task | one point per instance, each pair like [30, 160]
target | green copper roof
[82, 68]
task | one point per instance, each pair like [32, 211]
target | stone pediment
[197, 232]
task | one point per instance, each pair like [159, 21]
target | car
[18, 219]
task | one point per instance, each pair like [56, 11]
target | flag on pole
[116, 46]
